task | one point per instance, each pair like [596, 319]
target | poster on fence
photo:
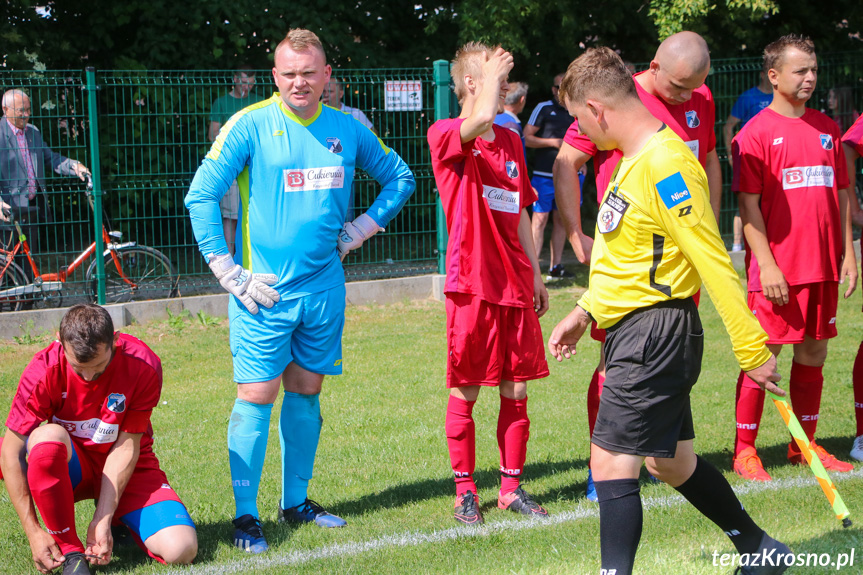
[404, 95]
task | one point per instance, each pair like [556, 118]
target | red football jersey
[693, 121]
[95, 412]
[797, 165]
[854, 136]
[483, 187]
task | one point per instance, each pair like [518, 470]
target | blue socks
[299, 430]
[248, 431]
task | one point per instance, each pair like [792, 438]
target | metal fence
[152, 130]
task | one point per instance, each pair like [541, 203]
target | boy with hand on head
[494, 291]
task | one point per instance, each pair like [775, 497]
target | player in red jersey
[494, 291]
[792, 184]
[79, 428]
[673, 90]
[852, 144]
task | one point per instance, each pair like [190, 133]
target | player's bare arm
[773, 282]
[567, 194]
[486, 95]
[567, 333]
[849, 258]
[525, 237]
[728, 135]
[213, 131]
[13, 461]
[851, 156]
[766, 376]
[531, 140]
[714, 181]
[118, 469]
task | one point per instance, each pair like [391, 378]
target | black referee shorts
[653, 358]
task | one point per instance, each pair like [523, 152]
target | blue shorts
[544, 194]
[306, 330]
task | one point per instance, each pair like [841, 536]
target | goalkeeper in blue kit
[294, 161]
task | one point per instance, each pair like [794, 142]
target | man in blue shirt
[294, 160]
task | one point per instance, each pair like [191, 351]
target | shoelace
[468, 501]
[253, 528]
[753, 464]
[525, 498]
[312, 506]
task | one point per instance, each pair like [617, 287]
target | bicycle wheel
[135, 273]
[12, 278]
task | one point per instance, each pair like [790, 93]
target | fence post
[443, 108]
[95, 170]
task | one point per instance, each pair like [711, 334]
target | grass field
[383, 464]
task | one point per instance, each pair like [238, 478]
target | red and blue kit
[94, 413]
[797, 165]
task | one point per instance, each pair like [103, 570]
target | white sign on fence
[404, 95]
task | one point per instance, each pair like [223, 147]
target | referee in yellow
[657, 240]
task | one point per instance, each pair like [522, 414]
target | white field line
[413, 539]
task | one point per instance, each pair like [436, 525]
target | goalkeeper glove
[354, 233]
[251, 289]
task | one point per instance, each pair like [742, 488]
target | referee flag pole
[815, 464]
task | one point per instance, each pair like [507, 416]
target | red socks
[857, 378]
[804, 385]
[461, 441]
[749, 406]
[51, 488]
[513, 431]
[594, 390]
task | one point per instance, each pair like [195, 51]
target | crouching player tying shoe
[656, 240]
[94, 391]
[494, 291]
[294, 160]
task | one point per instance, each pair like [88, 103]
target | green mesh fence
[153, 133]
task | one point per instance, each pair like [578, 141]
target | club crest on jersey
[116, 403]
[512, 169]
[611, 213]
[335, 145]
[826, 142]
[692, 119]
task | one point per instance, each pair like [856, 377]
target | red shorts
[599, 334]
[489, 343]
[811, 310]
[148, 484]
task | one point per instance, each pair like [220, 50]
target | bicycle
[133, 272]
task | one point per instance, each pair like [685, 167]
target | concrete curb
[358, 293]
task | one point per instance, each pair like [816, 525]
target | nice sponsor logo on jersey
[807, 176]
[673, 190]
[93, 429]
[501, 200]
[309, 179]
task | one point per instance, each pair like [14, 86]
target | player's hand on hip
[773, 285]
[251, 289]
[46, 552]
[766, 376]
[566, 334]
[354, 233]
[540, 295]
[100, 542]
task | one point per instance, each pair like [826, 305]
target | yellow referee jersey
[657, 239]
